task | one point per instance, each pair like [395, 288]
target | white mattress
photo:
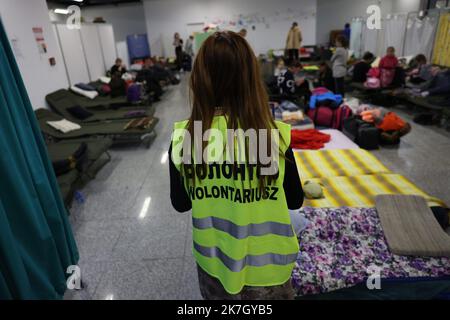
[338, 141]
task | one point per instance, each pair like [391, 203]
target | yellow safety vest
[242, 236]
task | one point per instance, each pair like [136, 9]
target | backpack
[344, 112]
[374, 73]
[134, 93]
[118, 87]
[322, 116]
[364, 134]
[387, 77]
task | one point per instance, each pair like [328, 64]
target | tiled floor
[133, 245]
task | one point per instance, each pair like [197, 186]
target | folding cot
[62, 100]
[97, 157]
[344, 240]
[111, 129]
[100, 102]
[353, 178]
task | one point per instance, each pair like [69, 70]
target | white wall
[19, 17]
[165, 17]
[333, 14]
[126, 19]
[400, 6]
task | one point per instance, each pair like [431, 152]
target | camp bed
[66, 183]
[341, 247]
[97, 153]
[100, 102]
[111, 129]
[360, 191]
[62, 100]
[336, 163]
[423, 102]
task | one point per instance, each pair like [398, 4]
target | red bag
[330, 118]
[344, 112]
[322, 116]
[387, 77]
[374, 73]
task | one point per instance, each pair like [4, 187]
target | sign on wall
[39, 37]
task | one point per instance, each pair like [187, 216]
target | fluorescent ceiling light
[62, 11]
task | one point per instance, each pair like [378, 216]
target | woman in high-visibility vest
[232, 165]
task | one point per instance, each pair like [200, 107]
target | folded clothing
[79, 112]
[88, 94]
[309, 139]
[64, 125]
[84, 86]
[339, 245]
[141, 123]
[292, 117]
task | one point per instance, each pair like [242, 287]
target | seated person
[439, 85]
[388, 65]
[325, 77]
[423, 71]
[290, 84]
[361, 68]
[118, 67]
[150, 76]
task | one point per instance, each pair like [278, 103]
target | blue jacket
[334, 99]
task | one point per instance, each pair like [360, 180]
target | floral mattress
[340, 247]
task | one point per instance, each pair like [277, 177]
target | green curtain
[36, 239]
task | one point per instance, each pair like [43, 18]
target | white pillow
[105, 80]
[88, 94]
[64, 125]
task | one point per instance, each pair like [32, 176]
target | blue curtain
[36, 240]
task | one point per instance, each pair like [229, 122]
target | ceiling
[92, 2]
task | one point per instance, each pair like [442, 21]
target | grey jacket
[339, 61]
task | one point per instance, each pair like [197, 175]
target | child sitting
[361, 68]
[325, 77]
[290, 84]
[387, 67]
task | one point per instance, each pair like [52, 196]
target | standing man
[294, 42]
[178, 44]
[189, 46]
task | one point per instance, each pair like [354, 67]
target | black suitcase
[364, 134]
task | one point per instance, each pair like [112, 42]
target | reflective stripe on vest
[242, 232]
[254, 261]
